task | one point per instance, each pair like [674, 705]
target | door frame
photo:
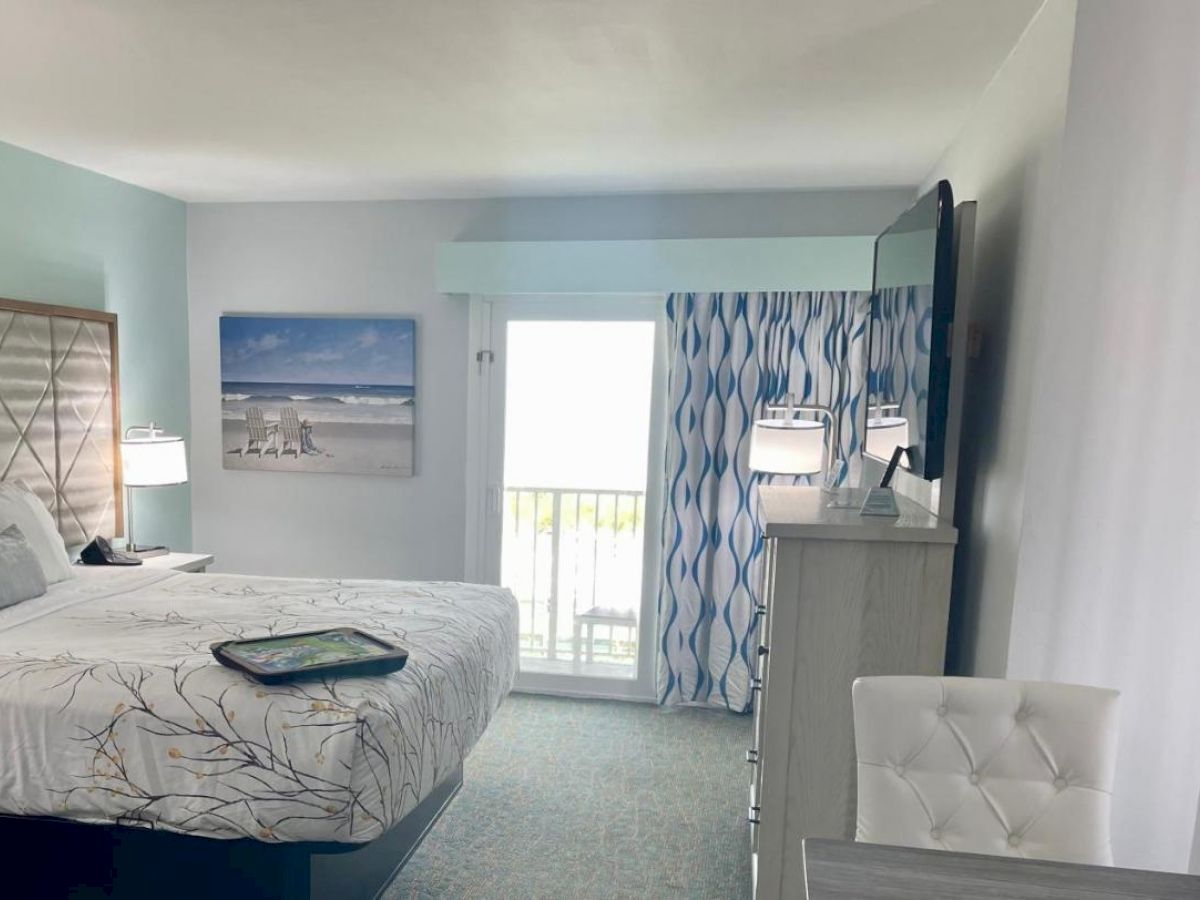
[489, 316]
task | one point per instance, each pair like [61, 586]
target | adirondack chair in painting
[258, 432]
[289, 432]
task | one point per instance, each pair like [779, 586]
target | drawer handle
[754, 814]
[756, 684]
[760, 610]
[752, 757]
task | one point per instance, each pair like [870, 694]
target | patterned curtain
[899, 370]
[731, 354]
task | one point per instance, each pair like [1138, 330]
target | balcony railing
[573, 558]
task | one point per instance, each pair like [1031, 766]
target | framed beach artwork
[318, 394]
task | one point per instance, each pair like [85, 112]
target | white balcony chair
[982, 765]
[599, 615]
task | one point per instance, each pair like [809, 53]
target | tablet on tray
[305, 654]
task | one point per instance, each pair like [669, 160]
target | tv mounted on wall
[912, 318]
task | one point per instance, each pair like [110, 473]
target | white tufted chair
[982, 765]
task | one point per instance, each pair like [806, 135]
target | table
[840, 870]
[179, 562]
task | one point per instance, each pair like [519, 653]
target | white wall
[1078, 540]
[379, 258]
[1106, 589]
[1006, 158]
[324, 258]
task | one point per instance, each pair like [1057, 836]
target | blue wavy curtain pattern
[899, 370]
[730, 355]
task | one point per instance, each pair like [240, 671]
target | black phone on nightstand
[101, 553]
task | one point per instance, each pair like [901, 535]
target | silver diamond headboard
[60, 415]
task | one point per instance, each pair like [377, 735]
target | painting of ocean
[318, 394]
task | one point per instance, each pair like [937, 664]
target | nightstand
[180, 562]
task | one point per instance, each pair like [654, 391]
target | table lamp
[149, 458]
[793, 446]
[787, 446]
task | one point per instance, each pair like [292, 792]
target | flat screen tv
[912, 317]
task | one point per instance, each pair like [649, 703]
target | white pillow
[21, 507]
[22, 578]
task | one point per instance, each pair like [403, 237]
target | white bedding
[112, 708]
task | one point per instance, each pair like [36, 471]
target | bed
[165, 773]
[113, 711]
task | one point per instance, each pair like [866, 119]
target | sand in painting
[363, 448]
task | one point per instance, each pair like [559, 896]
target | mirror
[912, 313]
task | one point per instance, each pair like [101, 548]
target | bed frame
[59, 434]
[59, 858]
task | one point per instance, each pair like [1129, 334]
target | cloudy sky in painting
[314, 350]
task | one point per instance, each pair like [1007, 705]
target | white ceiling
[341, 99]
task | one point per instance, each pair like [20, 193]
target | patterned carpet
[593, 799]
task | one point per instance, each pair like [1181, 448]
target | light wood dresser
[844, 595]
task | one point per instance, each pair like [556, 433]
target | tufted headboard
[60, 414]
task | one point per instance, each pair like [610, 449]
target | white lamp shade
[153, 461]
[787, 446]
[885, 434]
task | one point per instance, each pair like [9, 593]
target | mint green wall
[72, 237]
[814, 263]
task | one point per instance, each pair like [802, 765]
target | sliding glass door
[574, 510]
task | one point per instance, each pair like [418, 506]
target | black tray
[268, 659]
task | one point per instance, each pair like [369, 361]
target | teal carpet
[593, 799]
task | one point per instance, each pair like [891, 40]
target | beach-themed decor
[318, 394]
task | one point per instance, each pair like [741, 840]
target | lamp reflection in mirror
[149, 458]
[885, 434]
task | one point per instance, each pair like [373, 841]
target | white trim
[479, 331]
[584, 693]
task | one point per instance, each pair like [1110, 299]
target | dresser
[843, 595]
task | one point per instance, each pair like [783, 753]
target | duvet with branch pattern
[112, 708]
